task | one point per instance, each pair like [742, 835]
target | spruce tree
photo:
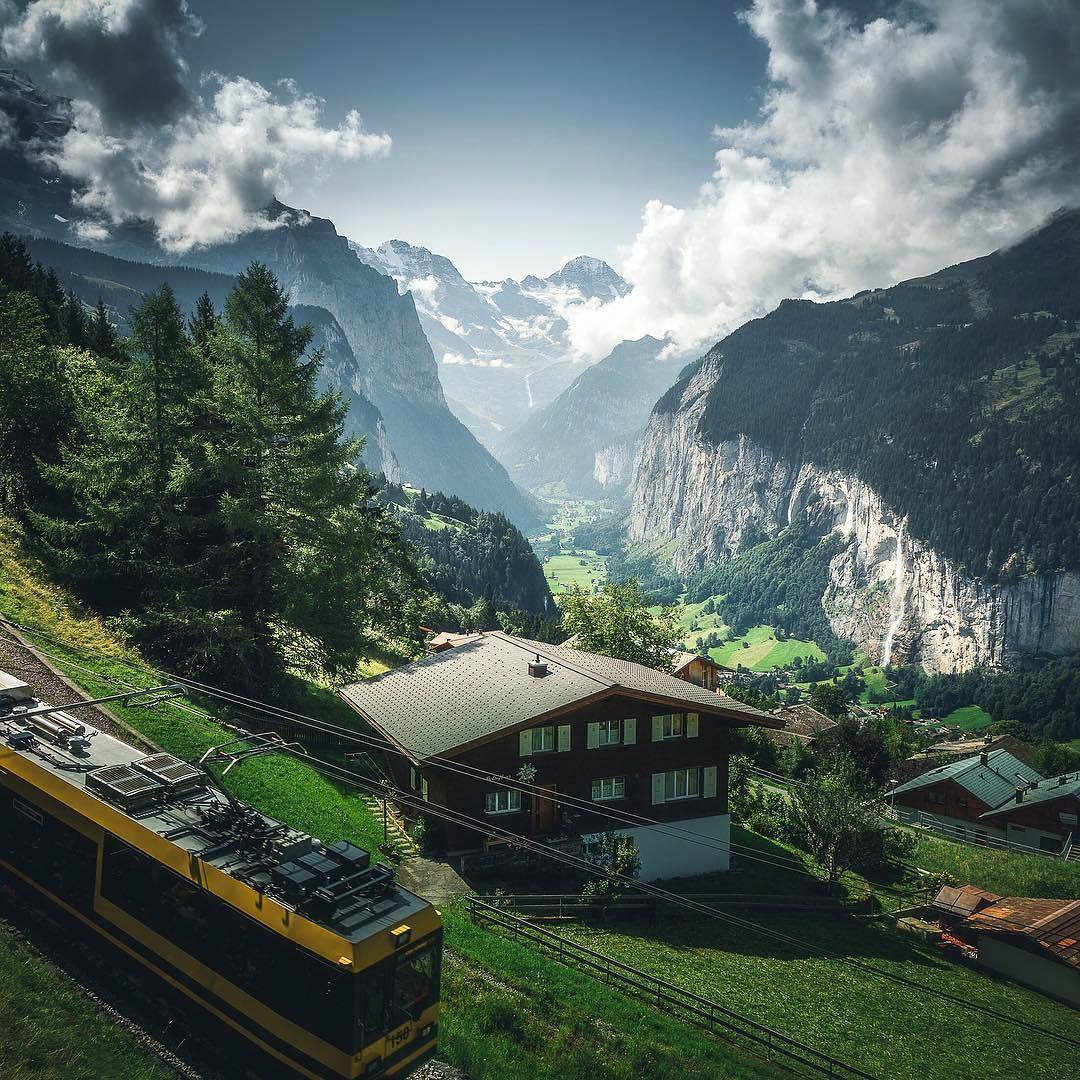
[102, 339]
[203, 323]
[312, 569]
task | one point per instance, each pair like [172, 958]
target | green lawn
[520, 1014]
[586, 569]
[760, 650]
[50, 1030]
[507, 1013]
[1004, 872]
[883, 1027]
[969, 718]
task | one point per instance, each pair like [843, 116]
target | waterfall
[899, 593]
[528, 388]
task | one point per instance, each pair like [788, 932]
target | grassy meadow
[507, 1013]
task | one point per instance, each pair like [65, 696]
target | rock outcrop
[888, 592]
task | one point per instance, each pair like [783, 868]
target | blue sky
[523, 133]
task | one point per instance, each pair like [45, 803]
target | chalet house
[700, 670]
[962, 794]
[802, 723]
[1041, 816]
[611, 734]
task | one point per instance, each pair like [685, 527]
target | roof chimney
[1019, 794]
[984, 757]
[537, 668]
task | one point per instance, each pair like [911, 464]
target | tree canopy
[617, 622]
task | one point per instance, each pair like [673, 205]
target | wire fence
[573, 905]
[919, 819]
[791, 1054]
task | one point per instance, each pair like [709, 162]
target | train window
[59, 858]
[416, 980]
[301, 987]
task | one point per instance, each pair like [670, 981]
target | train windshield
[416, 980]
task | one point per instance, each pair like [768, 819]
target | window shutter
[708, 783]
[657, 728]
[594, 736]
[525, 743]
[564, 737]
[629, 731]
[691, 725]
[657, 788]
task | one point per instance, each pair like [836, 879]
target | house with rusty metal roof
[519, 738]
[1031, 941]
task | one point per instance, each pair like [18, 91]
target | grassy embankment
[507, 1012]
[883, 1027]
[49, 1030]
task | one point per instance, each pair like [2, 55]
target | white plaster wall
[1047, 976]
[666, 853]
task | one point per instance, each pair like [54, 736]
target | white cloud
[205, 178]
[425, 287]
[142, 146]
[475, 361]
[882, 151]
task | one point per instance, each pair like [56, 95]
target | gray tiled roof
[482, 686]
[992, 783]
[1057, 787]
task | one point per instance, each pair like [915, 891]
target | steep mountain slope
[122, 284]
[316, 266]
[933, 426]
[584, 442]
[493, 339]
[468, 556]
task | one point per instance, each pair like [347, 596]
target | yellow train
[310, 951]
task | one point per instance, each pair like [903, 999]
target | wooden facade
[572, 766]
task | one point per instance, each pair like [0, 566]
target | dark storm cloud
[123, 55]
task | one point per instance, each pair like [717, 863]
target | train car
[310, 951]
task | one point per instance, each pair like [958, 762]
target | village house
[994, 794]
[802, 723]
[611, 734]
[1028, 940]
[700, 670]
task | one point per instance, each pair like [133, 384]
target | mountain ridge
[933, 425]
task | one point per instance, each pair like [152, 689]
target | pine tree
[102, 339]
[72, 321]
[312, 568]
[202, 324]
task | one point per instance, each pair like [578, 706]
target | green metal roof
[991, 783]
[1057, 787]
[483, 686]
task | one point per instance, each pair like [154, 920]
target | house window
[543, 739]
[610, 787]
[680, 784]
[503, 801]
[609, 733]
[935, 797]
[672, 725]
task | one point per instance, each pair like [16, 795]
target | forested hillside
[474, 559]
[955, 396]
[193, 484]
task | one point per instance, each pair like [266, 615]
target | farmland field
[585, 568]
[968, 718]
[760, 650]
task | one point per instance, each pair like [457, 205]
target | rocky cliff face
[888, 592]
